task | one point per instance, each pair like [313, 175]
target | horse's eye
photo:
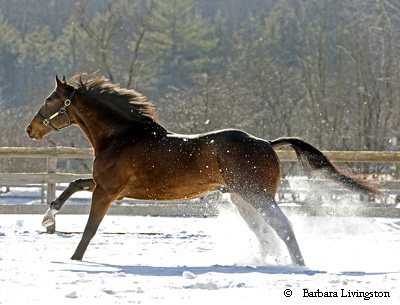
[47, 102]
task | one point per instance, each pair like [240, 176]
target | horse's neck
[100, 132]
[97, 135]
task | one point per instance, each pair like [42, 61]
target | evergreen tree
[281, 33]
[182, 39]
[10, 44]
[69, 56]
[223, 49]
[36, 60]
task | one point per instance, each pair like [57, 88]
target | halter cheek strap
[62, 110]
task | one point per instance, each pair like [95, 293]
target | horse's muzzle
[29, 132]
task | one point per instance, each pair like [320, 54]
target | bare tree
[373, 54]
[116, 42]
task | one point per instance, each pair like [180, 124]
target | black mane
[128, 103]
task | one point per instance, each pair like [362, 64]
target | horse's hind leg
[55, 206]
[272, 214]
[255, 222]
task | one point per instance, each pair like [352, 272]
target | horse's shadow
[144, 270]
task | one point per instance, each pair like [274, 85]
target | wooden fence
[51, 177]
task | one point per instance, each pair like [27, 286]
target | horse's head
[53, 115]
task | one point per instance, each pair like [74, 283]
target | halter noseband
[62, 110]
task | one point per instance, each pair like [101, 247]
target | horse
[136, 157]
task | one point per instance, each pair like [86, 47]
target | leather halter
[62, 110]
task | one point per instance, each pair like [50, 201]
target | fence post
[51, 187]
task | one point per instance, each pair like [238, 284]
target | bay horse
[136, 157]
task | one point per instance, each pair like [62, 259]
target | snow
[169, 260]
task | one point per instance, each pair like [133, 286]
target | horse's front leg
[101, 201]
[55, 206]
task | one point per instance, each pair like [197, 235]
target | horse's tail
[315, 162]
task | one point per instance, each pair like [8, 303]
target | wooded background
[327, 71]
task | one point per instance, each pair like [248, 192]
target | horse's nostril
[29, 129]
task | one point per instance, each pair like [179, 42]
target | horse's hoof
[49, 219]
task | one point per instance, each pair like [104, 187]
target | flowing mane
[128, 103]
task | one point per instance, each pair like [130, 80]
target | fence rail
[284, 155]
[46, 152]
[51, 177]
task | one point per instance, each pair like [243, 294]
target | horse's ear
[61, 84]
[58, 83]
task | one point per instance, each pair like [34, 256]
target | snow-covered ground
[168, 260]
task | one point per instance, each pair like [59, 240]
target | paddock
[194, 253]
[195, 260]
